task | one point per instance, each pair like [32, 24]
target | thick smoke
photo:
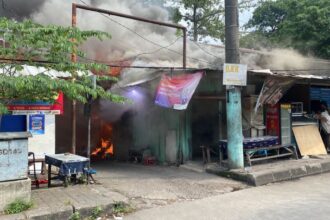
[19, 9]
[138, 42]
[287, 59]
[131, 40]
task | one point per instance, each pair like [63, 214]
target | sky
[245, 16]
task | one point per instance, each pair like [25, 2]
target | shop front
[279, 117]
[37, 118]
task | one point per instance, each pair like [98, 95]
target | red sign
[21, 107]
[273, 120]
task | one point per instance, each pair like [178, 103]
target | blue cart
[68, 164]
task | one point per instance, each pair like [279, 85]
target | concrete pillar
[234, 129]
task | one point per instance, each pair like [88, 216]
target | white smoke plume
[138, 42]
[131, 40]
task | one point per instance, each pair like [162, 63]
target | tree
[204, 17]
[49, 47]
[300, 24]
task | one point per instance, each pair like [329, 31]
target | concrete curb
[275, 174]
[63, 213]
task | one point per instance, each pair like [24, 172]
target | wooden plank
[271, 157]
[309, 140]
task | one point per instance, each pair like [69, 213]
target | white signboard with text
[234, 74]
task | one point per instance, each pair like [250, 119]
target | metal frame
[103, 11]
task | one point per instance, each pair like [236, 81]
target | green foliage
[258, 41]
[96, 212]
[75, 216]
[82, 179]
[51, 44]
[17, 206]
[120, 208]
[42, 87]
[49, 47]
[301, 24]
[204, 17]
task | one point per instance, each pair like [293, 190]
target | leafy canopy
[301, 24]
[49, 47]
[204, 17]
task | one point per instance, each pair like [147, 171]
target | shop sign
[37, 124]
[38, 107]
[176, 91]
[320, 94]
[273, 120]
[234, 74]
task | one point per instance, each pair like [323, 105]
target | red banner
[23, 107]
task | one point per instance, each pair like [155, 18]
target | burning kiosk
[169, 134]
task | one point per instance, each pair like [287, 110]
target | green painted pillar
[234, 108]
[234, 129]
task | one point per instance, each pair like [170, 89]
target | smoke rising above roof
[140, 42]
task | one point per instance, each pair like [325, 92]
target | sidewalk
[276, 171]
[60, 203]
[141, 187]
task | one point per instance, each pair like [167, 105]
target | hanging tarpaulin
[273, 90]
[176, 91]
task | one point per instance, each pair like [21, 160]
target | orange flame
[105, 149]
[96, 151]
[109, 150]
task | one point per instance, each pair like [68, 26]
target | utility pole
[233, 106]
[89, 115]
[74, 104]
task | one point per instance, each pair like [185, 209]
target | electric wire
[132, 57]
[146, 39]
[205, 51]
[5, 7]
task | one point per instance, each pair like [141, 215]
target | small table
[67, 163]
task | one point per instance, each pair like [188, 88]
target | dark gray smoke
[19, 9]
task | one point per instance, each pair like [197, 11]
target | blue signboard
[37, 124]
[320, 94]
[12, 123]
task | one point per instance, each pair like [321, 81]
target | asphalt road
[306, 198]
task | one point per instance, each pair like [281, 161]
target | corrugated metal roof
[290, 74]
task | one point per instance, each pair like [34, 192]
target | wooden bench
[206, 152]
[271, 152]
[287, 150]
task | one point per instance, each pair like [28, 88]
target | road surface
[306, 198]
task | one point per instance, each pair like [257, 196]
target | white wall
[44, 143]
